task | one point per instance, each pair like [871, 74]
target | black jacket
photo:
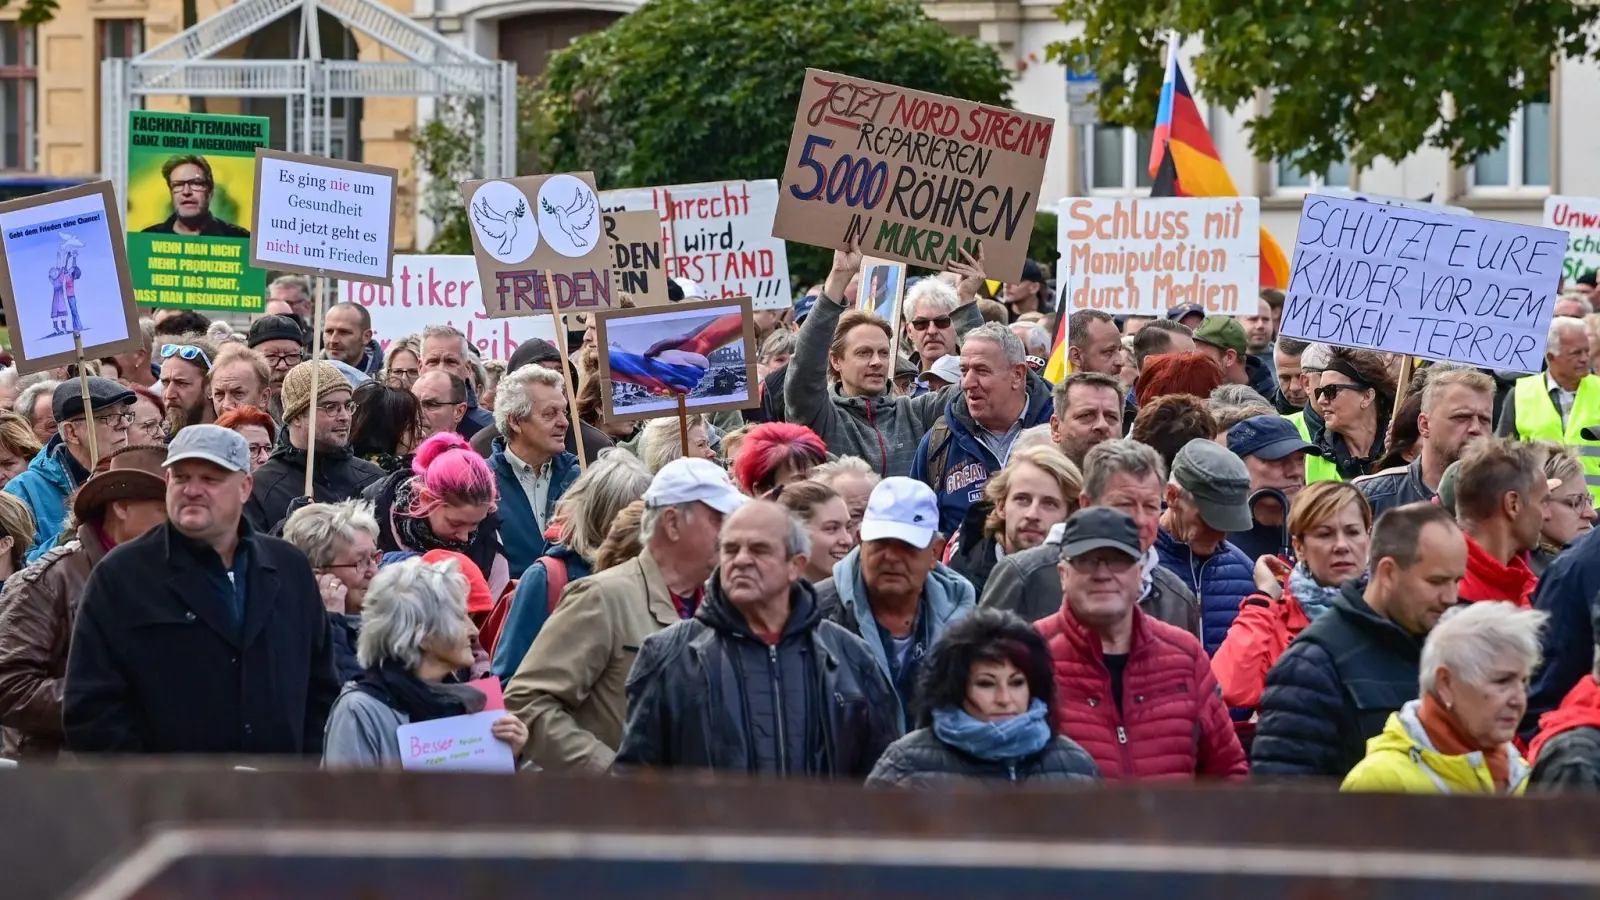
[157, 666]
[1262, 378]
[702, 695]
[343, 630]
[1395, 487]
[975, 555]
[1333, 689]
[1569, 591]
[921, 760]
[339, 475]
[1570, 760]
[485, 545]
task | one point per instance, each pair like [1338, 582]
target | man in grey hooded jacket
[860, 416]
[892, 590]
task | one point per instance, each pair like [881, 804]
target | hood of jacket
[718, 612]
[1580, 709]
[49, 463]
[1036, 412]
[1466, 773]
[947, 595]
[877, 406]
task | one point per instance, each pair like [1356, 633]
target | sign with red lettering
[1579, 217]
[636, 249]
[441, 290]
[537, 234]
[911, 176]
[1145, 256]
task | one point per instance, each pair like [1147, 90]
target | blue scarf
[1314, 598]
[1006, 739]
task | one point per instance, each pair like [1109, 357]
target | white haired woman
[1456, 738]
[341, 541]
[415, 637]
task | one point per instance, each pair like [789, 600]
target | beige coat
[569, 688]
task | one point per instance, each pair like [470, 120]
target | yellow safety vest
[1317, 468]
[1537, 420]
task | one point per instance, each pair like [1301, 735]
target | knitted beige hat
[297, 386]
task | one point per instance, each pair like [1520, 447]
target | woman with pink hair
[446, 502]
[777, 453]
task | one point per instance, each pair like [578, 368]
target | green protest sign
[191, 179]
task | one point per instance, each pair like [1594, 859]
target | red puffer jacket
[1173, 724]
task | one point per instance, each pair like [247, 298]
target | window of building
[121, 38]
[1119, 160]
[19, 96]
[1523, 158]
[1291, 178]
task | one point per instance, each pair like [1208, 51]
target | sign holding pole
[88, 405]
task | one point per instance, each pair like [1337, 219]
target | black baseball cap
[1032, 271]
[1099, 527]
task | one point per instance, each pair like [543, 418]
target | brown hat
[133, 473]
[297, 386]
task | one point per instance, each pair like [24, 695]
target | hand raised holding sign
[971, 272]
[846, 263]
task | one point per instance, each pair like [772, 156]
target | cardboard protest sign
[441, 290]
[1146, 256]
[456, 744]
[191, 191]
[322, 216]
[1422, 284]
[720, 235]
[911, 176]
[636, 247]
[64, 269]
[705, 351]
[1579, 217]
[525, 229]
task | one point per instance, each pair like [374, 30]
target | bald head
[763, 553]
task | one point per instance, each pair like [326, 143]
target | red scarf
[1489, 579]
[1449, 739]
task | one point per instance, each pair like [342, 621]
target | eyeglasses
[365, 562]
[1116, 565]
[186, 352]
[260, 451]
[922, 324]
[439, 404]
[408, 374]
[193, 184]
[1577, 502]
[332, 408]
[1327, 392]
[112, 420]
[284, 359]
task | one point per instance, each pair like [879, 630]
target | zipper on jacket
[1122, 735]
[883, 446]
[777, 705]
[1011, 767]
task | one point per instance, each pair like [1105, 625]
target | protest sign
[191, 183]
[1144, 257]
[441, 290]
[1579, 217]
[703, 351]
[911, 176]
[535, 234]
[1422, 284]
[720, 235]
[456, 744]
[323, 216]
[64, 270]
[636, 247]
[1387, 200]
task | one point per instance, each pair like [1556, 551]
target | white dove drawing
[498, 226]
[575, 219]
[68, 242]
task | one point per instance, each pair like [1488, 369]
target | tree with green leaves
[685, 91]
[1348, 79]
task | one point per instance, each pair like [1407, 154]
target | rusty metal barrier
[167, 832]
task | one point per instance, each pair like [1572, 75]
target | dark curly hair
[1170, 422]
[985, 635]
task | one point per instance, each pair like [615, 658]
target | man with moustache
[1088, 412]
[186, 364]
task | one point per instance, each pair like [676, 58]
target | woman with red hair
[1177, 373]
[777, 453]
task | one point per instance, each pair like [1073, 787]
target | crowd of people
[1207, 552]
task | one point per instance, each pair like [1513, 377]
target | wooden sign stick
[683, 422]
[88, 407]
[566, 368]
[311, 411]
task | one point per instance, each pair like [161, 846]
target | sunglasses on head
[1327, 392]
[186, 352]
[922, 324]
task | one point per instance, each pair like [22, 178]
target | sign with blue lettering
[1421, 283]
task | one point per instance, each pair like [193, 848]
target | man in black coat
[203, 637]
[1347, 671]
[339, 474]
[757, 681]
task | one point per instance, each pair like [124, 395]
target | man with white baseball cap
[569, 688]
[892, 590]
[241, 662]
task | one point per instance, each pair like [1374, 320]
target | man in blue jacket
[64, 463]
[1000, 397]
[532, 468]
[1208, 496]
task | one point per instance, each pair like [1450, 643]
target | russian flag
[1181, 133]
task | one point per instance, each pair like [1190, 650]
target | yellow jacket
[1401, 759]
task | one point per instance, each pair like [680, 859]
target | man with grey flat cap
[1208, 496]
[65, 462]
[203, 636]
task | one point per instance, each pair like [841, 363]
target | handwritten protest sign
[1579, 217]
[456, 744]
[191, 183]
[720, 235]
[535, 234]
[636, 248]
[441, 290]
[323, 216]
[1144, 257]
[911, 176]
[1443, 287]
